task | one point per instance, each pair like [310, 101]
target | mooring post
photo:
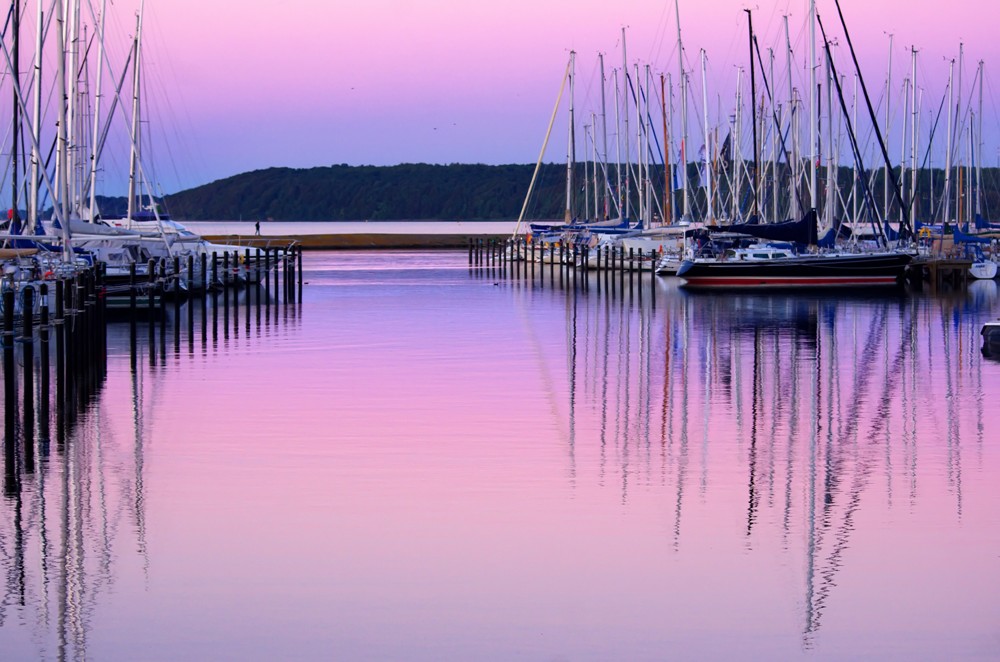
[215, 271]
[203, 263]
[300, 273]
[267, 276]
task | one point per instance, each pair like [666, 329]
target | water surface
[423, 462]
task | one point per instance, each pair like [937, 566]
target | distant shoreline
[349, 241]
[352, 234]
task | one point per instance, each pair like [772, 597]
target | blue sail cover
[968, 238]
[800, 232]
[983, 224]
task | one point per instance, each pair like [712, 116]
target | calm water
[423, 463]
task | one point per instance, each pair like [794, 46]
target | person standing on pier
[256, 228]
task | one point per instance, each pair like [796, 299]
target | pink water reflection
[423, 464]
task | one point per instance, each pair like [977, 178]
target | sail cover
[800, 232]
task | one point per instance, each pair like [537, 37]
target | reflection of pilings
[28, 366]
[11, 473]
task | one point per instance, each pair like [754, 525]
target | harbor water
[424, 461]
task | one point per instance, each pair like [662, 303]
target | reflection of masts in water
[954, 439]
[864, 457]
[754, 497]
[793, 434]
[624, 401]
[139, 427]
[682, 458]
[571, 312]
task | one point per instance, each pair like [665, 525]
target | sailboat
[779, 265]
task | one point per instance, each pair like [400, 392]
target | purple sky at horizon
[308, 83]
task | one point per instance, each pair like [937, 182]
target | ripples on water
[427, 463]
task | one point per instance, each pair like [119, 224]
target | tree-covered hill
[408, 191]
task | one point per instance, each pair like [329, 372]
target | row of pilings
[64, 319]
[55, 332]
[611, 269]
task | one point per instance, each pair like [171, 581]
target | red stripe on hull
[751, 281]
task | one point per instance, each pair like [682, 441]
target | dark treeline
[484, 192]
[408, 191]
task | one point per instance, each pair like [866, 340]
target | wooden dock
[939, 272]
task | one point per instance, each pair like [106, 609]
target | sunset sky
[235, 86]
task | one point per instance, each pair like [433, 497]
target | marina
[719, 381]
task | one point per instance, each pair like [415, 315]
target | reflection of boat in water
[991, 338]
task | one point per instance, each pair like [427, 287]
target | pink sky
[310, 83]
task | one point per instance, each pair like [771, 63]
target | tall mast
[793, 184]
[97, 113]
[640, 178]
[913, 132]
[979, 146]
[594, 160]
[571, 144]
[16, 119]
[61, 192]
[737, 147]
[813, 105]
[36, 116]
[628, 154]
[668, 212]
[136, 134]
[888, 103]
[831, 181]
[753, 106]
[774, 144]
[618, 148]
[947, 155]
[902, 144]
[684, 111]
[854, 170]
[604, 132]
[709, 215]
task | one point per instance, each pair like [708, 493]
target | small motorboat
[991, 338]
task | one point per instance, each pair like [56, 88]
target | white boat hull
[987, 270]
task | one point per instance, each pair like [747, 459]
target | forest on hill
[349, 193]
[470, 192]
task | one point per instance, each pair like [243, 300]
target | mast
[593, 135]
[604, 132]
[854, 171]
[628, 153]
[793, 184]
[541, 155]
[979, 150]
[571, 145]
[36, 115]
[902, 145]
[640, 178]
[61, 189]
[905, 229]
[618, 150]
[16, 119]
[947, 156]
[709, 215]
[737, 147]
[914, 120]
[831, 181]
[813, 105]
[97, 113]
[753, 106]
[888, 99]
[684, 112]
[136, 135]
[668, 212]
[774, 144]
